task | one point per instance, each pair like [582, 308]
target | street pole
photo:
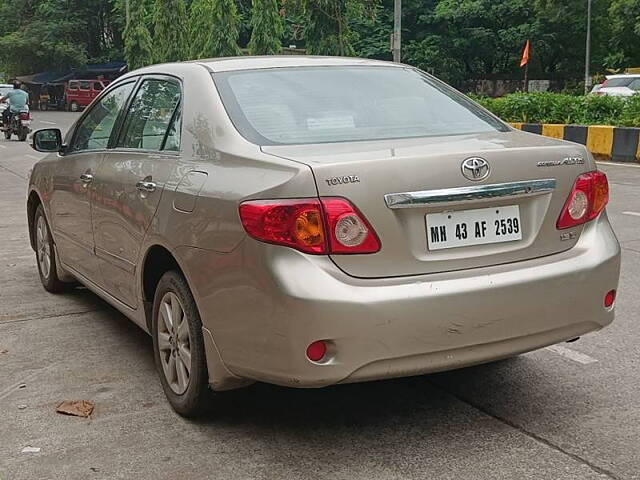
[126, 7]
[587, 72]
[397, 29]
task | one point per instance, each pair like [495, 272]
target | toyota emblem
[475, 169]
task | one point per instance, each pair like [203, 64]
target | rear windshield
[340, 104]
[619, 82]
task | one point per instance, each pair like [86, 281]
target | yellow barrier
[553, 131]
[600, 141]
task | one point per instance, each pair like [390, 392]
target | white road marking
[633, 214]
[572, 354]
[620, 164]
[32, 156]
[49, 123]
[3, 146]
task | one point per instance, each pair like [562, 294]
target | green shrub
[545, 107]
[631, 114]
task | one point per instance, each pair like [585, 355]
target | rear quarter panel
[228, 170]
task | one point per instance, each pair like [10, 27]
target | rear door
[427, 211]
[84, 93]
[96, 89]
[131, 180]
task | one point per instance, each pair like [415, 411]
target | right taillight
[326, 226]
[588, 197]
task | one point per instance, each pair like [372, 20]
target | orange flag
[525, 54]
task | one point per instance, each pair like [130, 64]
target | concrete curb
[618, 144]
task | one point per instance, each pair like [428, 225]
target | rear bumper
[276, 301]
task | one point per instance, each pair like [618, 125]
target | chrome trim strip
[468, 194]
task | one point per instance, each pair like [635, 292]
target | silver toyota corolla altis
[309, 221]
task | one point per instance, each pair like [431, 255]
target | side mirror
[47, 140]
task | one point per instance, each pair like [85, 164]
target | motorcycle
[20, 125]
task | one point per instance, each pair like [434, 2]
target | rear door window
[73, 85]
[85, 85]
[172, 144]
[149, 119]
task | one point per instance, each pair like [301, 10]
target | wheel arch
[157, 261]
[33, 201]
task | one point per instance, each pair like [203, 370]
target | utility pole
[397, 29]
[587, 63]
[126, 9]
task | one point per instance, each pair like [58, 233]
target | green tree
[267, 28]
[624, 28]
[327, 29]
[138, 48]
[214, 28]
[36, 36]
[170, 29]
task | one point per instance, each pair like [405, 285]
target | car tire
[46, 254]
[178, 346]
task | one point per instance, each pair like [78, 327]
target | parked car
[309, 221]
[620, 85]
[78, 94]
[596, 88]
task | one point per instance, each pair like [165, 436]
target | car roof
[279, 61]
[624, 75]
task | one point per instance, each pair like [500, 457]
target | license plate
[26, 122]
[473, 227]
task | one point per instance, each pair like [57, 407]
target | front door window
[96, 127]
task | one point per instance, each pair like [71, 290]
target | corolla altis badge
[342, 180]
[475, 169]
[565, 161]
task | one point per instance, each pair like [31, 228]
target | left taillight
[319, 226]
[588, 197]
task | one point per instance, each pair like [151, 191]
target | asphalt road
[566, 413]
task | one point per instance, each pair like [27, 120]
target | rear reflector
[319, 226]
[610, 298]
[316, 351]
[589, 196]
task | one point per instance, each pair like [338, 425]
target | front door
[131, 179]
[71, 210]
[73, 191]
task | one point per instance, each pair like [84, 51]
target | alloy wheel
[43, 248]
[174, 343]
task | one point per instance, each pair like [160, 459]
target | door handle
[86, 177]
[146, 186]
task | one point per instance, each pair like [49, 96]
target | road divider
[618, 144]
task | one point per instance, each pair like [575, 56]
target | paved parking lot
[571, 412]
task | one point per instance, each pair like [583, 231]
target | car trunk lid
[406, 187]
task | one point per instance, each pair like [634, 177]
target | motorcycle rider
[18, 102]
